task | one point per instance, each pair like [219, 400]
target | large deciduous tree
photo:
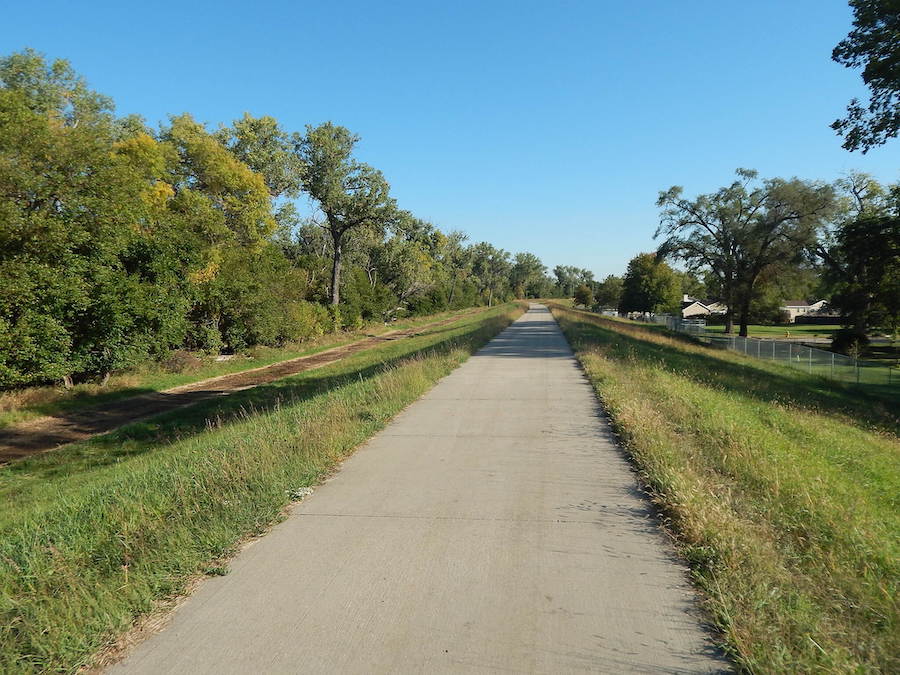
[527, 277]
[860, 253]
[874, 46]
[742, 231]
[351, 194]
[649, 286]
[609, 292]
[92, 271]
[491, 267]
[261, 144]
[864, 267]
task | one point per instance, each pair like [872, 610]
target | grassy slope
[95, 534]
[19, 405]
[781, 490]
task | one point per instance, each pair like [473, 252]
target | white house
[795, 308]
[691, 307]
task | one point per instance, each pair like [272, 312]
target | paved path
[493, 526]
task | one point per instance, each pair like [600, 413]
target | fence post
[758, 347]
[856, 362]
[790, 355]
[809, 352]
[832, 365]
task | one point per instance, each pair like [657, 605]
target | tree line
[120, 243]
[756, 242]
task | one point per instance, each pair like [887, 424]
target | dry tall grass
[780, 489]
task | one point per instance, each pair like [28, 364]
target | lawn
[788, 330]
[779, 488]
[96, 535]
[19, 405]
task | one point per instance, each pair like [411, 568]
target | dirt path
[493, 526]
[50, 432]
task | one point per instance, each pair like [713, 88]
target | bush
[847, 341]
[181, 361]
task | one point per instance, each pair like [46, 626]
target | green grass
[97, 534]
[781, 491]
[20, 405]
[793, 330]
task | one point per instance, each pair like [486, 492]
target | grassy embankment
[19, 405]
[96, 534]
[781, 490]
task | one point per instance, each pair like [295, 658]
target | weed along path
[46, 433]
[494, 525]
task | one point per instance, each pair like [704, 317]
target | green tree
[350, 194]
[491, 267]
[53, 89]
[221, 189]
[691, 284]
[261, 144]
[609, 292]
[741, 231]
[527, 275]
[457, 261]
[858, 252]
[874, 46]
[93, 258]
[649, 286]
[867, 274]
[584, 296]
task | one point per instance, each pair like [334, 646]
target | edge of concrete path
[668, 536]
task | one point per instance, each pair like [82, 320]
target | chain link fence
[802, 357]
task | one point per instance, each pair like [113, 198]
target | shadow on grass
[140, 437]
[864, 408]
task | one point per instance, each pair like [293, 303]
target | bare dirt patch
[50, 432]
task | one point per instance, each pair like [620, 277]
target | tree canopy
[874, 46]
[649, 286]
[742, 231]
[120, 243]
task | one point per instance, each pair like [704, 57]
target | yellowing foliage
[205, 274]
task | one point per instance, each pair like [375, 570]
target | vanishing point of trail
[493, 526]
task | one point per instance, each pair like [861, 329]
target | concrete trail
[494, 525]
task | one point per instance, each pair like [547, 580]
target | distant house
[795, 308]
[692, 308]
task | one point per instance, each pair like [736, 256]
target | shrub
[181, 361]
[847, 341]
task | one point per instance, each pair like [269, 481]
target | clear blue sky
[542, 126]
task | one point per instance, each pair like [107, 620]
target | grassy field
[780, 489]
[793, 330]
[97, 534]
[19, 405]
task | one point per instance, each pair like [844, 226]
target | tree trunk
[729, 320]
[491, 297]
[67, 381]
[336, 269]
[105, 379]
[744, 318]
[452, 291]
